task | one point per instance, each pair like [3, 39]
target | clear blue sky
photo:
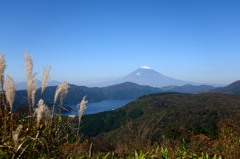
[193, 40]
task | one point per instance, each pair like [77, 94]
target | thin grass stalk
[1, 115]
[5, 116]
[4, 106]
[19, 156]
[82, 107]
[10, 95]
[35, 140]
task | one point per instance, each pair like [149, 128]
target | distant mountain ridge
[147, 76]
[188, 88]
[23, 85]
[233, 88]
[126, 90]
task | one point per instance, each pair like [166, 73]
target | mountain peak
[146, 67]
[145, 75]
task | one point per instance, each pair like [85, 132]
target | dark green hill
[167, 115]
[125, 90]
[233, 88]
[188, 88]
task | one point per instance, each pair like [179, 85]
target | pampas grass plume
[2, 64]
[45, 77]
[15, 136]
[62, 89]
[30, 77]
[2, 68]
[82, 106]
[10, 90]
[41, 111]
[34, 91]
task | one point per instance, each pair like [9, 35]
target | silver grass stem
[82, 107]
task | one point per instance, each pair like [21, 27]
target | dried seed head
[15, 136]
[30, 77]
[41, 111]
[34, 91]
[81, 110]
[28, 64]
[45, 77]
[62, 89]
[10, 90]
[82, 107]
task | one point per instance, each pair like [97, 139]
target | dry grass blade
[45, 77]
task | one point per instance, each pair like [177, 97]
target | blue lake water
[96, 107]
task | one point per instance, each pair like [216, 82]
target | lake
[96, 107]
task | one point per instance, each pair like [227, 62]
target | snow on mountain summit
[145, 75]
[146, 67]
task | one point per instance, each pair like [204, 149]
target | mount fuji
[147, 76]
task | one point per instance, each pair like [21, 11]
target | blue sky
[89, 40]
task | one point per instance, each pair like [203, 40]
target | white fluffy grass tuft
[30, 77]
[15, 137]
[41, 111]
[62, 89]
[34, 91]
[10, 91]
[82, 106]
[45, 77]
